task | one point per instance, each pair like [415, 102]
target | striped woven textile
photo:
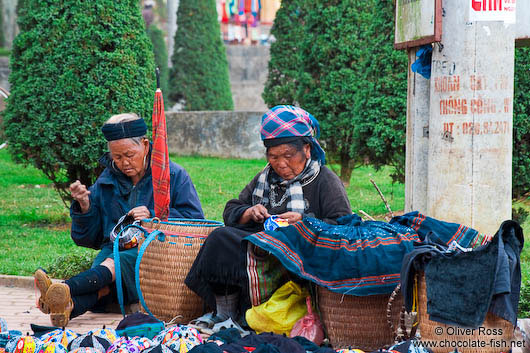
[447, 232]
[356, 257]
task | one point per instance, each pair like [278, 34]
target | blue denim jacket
[113, 195]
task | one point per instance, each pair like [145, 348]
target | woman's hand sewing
[80, 193]
[139, 213]
[291, 217]
[257, 213]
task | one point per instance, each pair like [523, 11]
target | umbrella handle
[157, 71]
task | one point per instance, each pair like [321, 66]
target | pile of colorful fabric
[355, 257]
[175, 339]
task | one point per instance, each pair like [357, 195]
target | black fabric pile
[262, 343]
[462, 286]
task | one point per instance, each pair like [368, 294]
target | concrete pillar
[471, 120]
[172, 8]
[522, 31]
[9, 13]
[417, 140]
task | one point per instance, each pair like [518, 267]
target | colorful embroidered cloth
[447, 232]
[60, 336]
[356, 257]
[265, 275]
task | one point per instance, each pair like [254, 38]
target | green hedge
[521, 126]
[284, 64]
[344, 70]
[73, 65]
[199, 76]
[75, 262]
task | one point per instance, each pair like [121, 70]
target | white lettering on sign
[492, 10]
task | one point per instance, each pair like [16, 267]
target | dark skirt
[127, 263]
[221, 262]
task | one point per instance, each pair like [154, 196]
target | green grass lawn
[34, 223]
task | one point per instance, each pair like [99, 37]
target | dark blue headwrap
[127, 129]
[284, 122]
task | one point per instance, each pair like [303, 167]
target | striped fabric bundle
[355, 257]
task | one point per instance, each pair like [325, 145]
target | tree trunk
[346, 168]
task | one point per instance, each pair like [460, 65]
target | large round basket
[165, 264]
[358, 322]
[495, 333]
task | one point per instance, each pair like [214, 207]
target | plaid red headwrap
[288, 121]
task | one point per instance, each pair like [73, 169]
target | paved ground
[18, 307]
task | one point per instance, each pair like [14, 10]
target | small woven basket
[358, 322]
[495, 333]
[165, 264]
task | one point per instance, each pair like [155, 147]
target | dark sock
[83, 303]
[226, 306]
[90, 281]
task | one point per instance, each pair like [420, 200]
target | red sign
[492, 10]
[486, 5]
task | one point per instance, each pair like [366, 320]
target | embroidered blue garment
[355, 257]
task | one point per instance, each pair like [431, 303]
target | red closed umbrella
[160, 156]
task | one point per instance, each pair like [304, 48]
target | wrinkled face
[129, 156]
[286, 161]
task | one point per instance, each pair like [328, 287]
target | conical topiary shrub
[73, 65]
[199, 76]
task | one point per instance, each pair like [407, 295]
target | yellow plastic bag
[279, 314]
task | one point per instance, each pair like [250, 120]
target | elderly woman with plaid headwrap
[295, 183]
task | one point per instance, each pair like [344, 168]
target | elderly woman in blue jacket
[124, 188]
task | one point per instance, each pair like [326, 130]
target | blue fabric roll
[423, 64]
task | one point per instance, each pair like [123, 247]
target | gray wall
[9, 16]
[522, 30]
[4, 72]
[218, 134]
[248, 73]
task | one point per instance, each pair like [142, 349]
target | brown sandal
[60, 303]
[42, 282]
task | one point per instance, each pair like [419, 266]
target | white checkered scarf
[295, 194]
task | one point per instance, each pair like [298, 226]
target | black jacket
[325, 197]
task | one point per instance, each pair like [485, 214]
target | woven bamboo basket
[358, 322]
[165, 264]
[495, 332]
